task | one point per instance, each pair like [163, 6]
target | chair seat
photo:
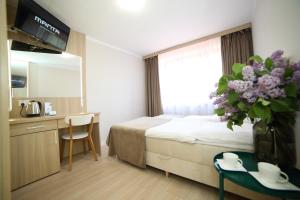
[76, 135]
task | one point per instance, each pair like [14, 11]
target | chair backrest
[79, 120]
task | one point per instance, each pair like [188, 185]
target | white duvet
[206, 130]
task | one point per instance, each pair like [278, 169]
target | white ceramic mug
[272, 172]
[232, 159]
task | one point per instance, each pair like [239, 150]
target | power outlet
[25, 102]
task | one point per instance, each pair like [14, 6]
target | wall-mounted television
[18, 81]
[34, 20]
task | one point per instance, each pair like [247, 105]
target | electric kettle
[32, 109]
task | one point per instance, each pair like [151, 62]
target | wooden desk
[35, 147]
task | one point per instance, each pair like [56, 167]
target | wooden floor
[111, 179]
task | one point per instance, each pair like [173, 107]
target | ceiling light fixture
[131, 5]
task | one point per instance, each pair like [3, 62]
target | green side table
[246, 180]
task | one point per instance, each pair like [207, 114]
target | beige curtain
[154, 106]
[236, 47]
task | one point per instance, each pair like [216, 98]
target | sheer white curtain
[187, 77]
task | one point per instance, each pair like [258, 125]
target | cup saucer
[274, 185]
[225, 166]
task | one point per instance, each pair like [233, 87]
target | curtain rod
[218, 34]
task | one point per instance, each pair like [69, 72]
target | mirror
[36, 74]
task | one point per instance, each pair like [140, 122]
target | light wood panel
[34, 156]
[62, 105]
[111, 179]
[4, 104]
[219, 34]
[77, 46]
[32, 127]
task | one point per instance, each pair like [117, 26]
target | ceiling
[160, 24]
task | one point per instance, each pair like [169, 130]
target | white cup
[232, 159]
[272, 173]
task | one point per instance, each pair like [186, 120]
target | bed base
[198, 172]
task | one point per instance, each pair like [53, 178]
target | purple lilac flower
[240, 86]
[276, 93]
[278, 60]
[250, 95]
[231, 109]
[268, 82]
[258, 66]
[278, 72]
[260, 93]
[248, 73]
[282, 63]
[296, 66]
[252, 99]
[277, 55]
[219, 100]
[296, 77]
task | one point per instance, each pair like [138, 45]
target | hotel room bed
[186, 146]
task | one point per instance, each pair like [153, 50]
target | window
[188, 75]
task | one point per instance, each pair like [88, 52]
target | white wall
[115, 85]
[276, 26]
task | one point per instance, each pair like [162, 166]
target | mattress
[204, 130]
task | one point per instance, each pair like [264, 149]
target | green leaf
[261, 111]
[219, 111]
[256, 59]
[292, 102]
[289, 72]
[237, 68]
[291, 90]
[229, 124]
[279, 105]
[233, 97]
[251, 113]
[239, 120]
[242, 106]
[262, 72]
[222, 85]
[269, 63]
[264, 102]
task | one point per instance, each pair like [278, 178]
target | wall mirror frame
[35, 75]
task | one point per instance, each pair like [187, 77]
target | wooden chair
[72, 136]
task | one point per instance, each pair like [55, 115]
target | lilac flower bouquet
[265, 91]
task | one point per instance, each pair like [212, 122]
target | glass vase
[274, 144]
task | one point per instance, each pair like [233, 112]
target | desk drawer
[32, 127]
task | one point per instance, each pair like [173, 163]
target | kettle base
[33, 115]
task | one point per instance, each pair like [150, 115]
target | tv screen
[38, 22]
[18, 81]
